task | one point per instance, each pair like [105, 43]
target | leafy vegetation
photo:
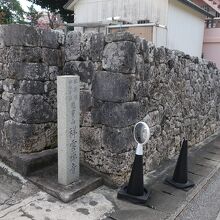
[56, 6]
[11, 12]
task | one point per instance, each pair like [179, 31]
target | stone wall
[30, 60]
[126, 79]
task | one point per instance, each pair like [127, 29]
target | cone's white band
[139, 150]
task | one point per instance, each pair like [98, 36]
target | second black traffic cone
[180, 176]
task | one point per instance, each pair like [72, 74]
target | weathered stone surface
[83, 69]
[72, 46]
[92, 45]
[3, 54]
[10, 85]
[113, 87]
[52, 57]
[119, 114]
[86, 101]
[4, 105]
[31, 87]
[31, 109]
[119, 57]
[90, 139]
[54, 71]
[119, 36]
[50, 86]
[2, 73]
[118, 140]
[19, 35]
[29, 137]
[49, 38]
[27, 71]
[8, 96]
[24, 54]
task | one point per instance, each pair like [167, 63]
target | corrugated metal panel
[129, 10]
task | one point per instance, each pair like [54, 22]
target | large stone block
[92, 45]
[23, 86]
[118, 140]
[117, 114]
[28, 138]
[31, 109]
[52, 57]
[27, 71]
[49, 38]
[24, 54]
[119, 57]
[19, 35]
[72, 46]
[113, 87]
[31, 87]
[84, 69]
[119, 36]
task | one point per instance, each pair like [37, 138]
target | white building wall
[129, 10]
[185, 29]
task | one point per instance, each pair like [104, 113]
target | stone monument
[68, 92]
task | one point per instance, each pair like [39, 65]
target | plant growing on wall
[11, 12]
[56, 6]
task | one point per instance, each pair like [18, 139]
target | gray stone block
[31, 87]
[84, 69]
[118, 115]
[19, 35]
[72, 46]
[119, 36]
[29, 137]
[27, 71]
[119, 57]
[49, 38]
[118, 140]
[31, 109]
[92, 45]
[24, 54]
[52, 57]
[113, 87]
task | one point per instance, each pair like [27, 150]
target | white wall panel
[185, 29]
[129, 10]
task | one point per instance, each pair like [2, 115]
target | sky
[25, 4]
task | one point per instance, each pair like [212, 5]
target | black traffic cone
[180, 175]
[134, 191]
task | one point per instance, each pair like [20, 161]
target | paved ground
[20, 199]
[206, 205]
